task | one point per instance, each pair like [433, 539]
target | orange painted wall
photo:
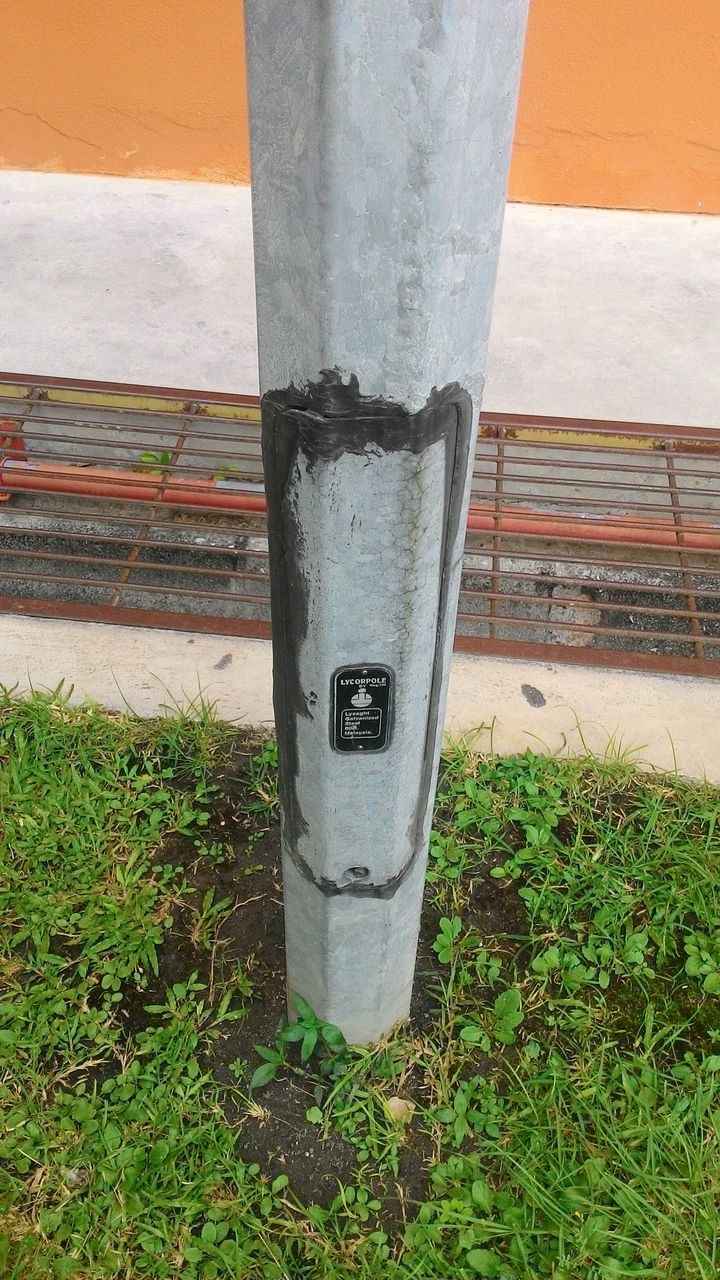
[618, 104]
[147, 88]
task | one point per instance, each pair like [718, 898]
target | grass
[559, 1092]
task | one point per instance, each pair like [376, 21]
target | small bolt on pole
[381, 137]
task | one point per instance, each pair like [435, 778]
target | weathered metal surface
[380, 134]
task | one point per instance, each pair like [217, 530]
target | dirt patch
[245, 949]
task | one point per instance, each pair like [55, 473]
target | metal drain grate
[587, 542]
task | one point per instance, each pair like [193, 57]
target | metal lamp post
[381, 136]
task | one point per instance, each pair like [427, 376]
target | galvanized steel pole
[381, 136]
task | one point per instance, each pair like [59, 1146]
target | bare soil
[274, 1132]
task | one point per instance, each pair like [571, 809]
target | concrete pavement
[608, 314]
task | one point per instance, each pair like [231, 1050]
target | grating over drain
[587, 541]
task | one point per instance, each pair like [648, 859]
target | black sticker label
[362, 700]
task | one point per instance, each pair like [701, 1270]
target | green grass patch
[551, 1110]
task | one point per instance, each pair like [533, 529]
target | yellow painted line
[582, 439]
[152, 404]
[11, 391]
[113, 400]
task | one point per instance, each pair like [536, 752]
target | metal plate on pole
[362, 708]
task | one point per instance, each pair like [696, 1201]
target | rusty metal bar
[145, 529]
[580, 628]
[520, 461]
[624, 660]
[615, 585]
[497, 531]
[495, 595]
[512, 597]
[141, 566]
[232, 438]
[87, 388]
[472, 548]
[141, 468]
[155, 544]
[653, 435]
[235, 439]
[640, 513]
[180, 520]
[541, 533]
[558, 465]
[680, 534]
[602, 484]
[643, 513]
[118, 485]
[489, 421]
[609, 584]
[205, 624]
[101, 584]
[79, 459]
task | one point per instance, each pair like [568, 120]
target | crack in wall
[71, 137]
[177, 124]
[544, 134]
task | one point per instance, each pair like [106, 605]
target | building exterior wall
[141, 88]
[618, 104]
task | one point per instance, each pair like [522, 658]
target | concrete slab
[130, 281]
[662, 721]
[609, 314]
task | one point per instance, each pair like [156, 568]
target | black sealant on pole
[309, 437]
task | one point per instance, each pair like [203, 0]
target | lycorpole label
[362, 705]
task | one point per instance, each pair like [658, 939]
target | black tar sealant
[321, 422]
